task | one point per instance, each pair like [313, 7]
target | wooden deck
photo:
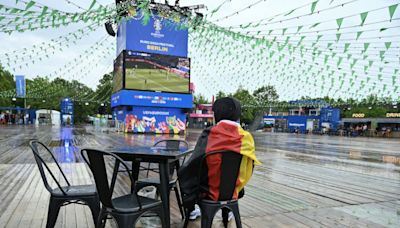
[304, 181]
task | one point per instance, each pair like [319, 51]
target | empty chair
[168, 144]
[124, 209]
[63, 195]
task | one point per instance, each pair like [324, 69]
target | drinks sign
[393, 115]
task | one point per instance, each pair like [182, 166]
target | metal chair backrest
[172, 144]
[34, 145]
[97, 165]
[224, 167]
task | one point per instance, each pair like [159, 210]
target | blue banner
[20, 85]
[155, 120]
[159, 35]
[151, 99]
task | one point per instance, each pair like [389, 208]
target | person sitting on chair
[227, 134]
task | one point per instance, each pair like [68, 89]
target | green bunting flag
[313, 5]
[359, 34]
[382, 55]
[29, 5]
[392, 9]
[299, 28]
[91, 5]
[314, 25]
[338, 36]
[339, 22]
[366, 45]
[289, 12]
[346, 47]
[339, 61]
[363, 17]
[301, 40]
[354, 63]
[382, 29]
[387, 45]
[44, 11]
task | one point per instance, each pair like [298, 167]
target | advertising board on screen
[155, 72]
[159, 35]
[155, 120]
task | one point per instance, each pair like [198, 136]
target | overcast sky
[210, 77]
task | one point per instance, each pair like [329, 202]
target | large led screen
[154, 72]
[118, 73]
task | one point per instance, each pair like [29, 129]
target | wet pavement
[304, 181]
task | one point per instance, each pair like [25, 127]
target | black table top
[147, 152]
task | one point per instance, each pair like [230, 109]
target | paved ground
[304, 181]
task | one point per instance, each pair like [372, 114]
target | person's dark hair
[226, 108]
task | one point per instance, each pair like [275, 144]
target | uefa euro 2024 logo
[157, 27]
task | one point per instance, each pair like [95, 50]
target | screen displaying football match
[154, 72]
[117, 74]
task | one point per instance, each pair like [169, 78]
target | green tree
[104, 91]
[200, 99]
[7, 83]
[248, 104]
[221, 94]
[265, 96]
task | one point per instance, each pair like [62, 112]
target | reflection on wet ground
[304, 181]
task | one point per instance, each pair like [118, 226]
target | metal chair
[124, 209]
[63, 195]
[228, 167]
[169, 144]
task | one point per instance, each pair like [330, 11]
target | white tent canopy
[44, 116]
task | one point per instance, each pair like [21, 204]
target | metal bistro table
[158, 155]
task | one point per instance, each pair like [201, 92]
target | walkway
[304, 181]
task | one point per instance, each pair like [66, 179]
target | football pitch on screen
[155, 80]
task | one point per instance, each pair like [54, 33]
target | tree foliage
[43, 93]
[200, 99]
[265, 95]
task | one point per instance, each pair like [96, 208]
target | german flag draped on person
[227, 134]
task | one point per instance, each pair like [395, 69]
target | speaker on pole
[109, 28]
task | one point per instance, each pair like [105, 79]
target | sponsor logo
[157, 29]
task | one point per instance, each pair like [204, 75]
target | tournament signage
[151, 99]
[159, 36]
[20, 85]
